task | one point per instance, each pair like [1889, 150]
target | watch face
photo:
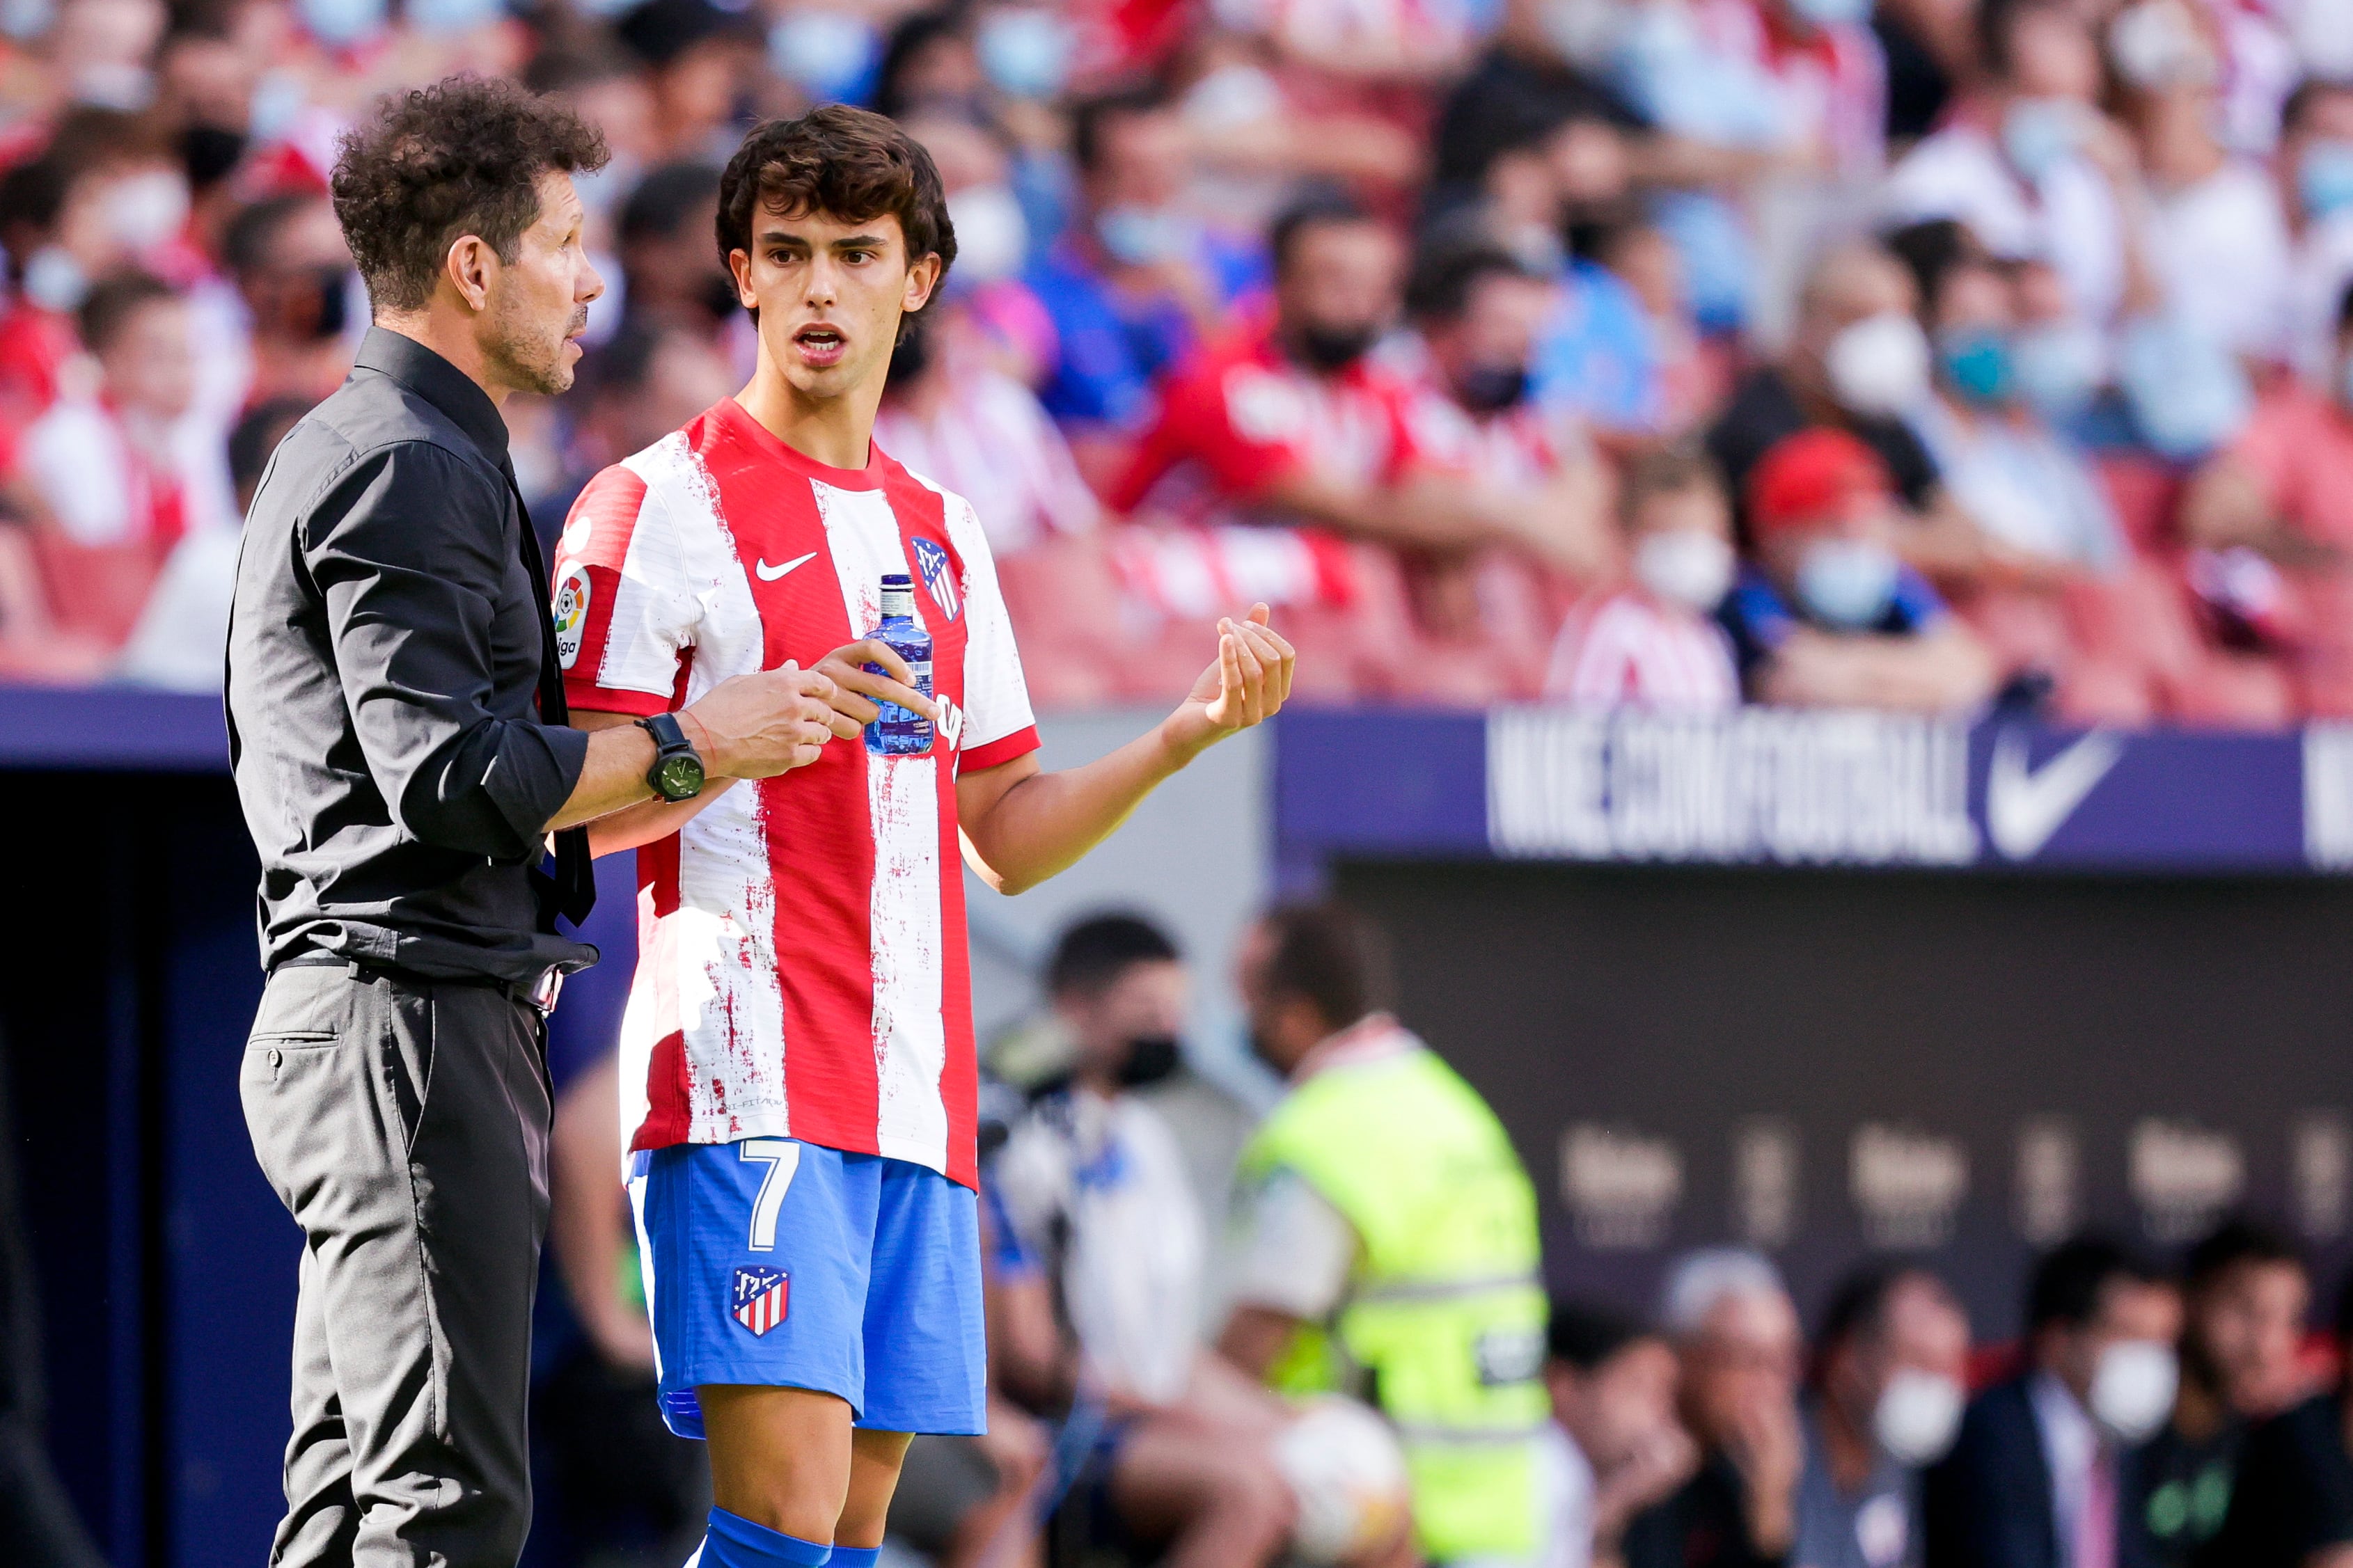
[680, 778]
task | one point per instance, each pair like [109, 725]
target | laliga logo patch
[571, 614]
[939, 576]
[761, 1295]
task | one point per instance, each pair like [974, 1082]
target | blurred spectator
[119, 477]
[2292, 1504]
[2047, 1463]
[1387, 1237]
[1095, 1186]
[1476, 312]
[2244, 1297]
[669, 275]
[2217, 236]
[1890, 1363]
[2277, 506]
[1614, 1447]
[1827, 615]
[2028, 162]
[1653, 642]
[1737, 1334]
[950, 417]
[1858, 361]
[648, 380]
[177, 641]
[285, 255]
[1140, 277]
[699, 60]
[2314, 175]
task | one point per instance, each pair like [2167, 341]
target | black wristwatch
[677, 773]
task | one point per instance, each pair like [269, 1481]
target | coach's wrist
[718, 761]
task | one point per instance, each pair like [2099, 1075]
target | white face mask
[2133, 1388]
[1684, 566]
[54, 280]
[1917, 1416]
[991, 233]
[1878, 367]
[143, 211]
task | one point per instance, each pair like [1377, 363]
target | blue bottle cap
[897, 580]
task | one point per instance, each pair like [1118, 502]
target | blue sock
[735, 1541]
[855, 1557]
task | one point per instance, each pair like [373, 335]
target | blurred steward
[1737, 1331]
[1889, 1387]
[1387, 1236]
[2048, 1461]
[2245, 1296]
[1614, 1447]
[1828, 614]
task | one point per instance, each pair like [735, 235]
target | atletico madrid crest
[939, 575]
[760, 1297]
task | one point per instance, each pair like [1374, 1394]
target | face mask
[208, 152]
[1026, 53]
[1847, 583]
[319, 308]
[278, 98]
[1832, 13]
[115, 84]
[2188, 394]
[146, 210]
[1146, 236]
[992, 237]
[54, 280]
[2038, 134]
[719, 297]
[1878, 367]
[1917, 1416]
[2156, 44]
[439, 19]
[1149, 1060]
[2133, 1388]
[1684, 566]
[2323, 30]
[2324, 178]
[1491, 388]
[2058, 368]
[1976, 365]
[1330, 349]
[1583, 30]
[826, 54]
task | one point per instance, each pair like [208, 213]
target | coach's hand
[757, 726]
[857, 691]
[1249, 683]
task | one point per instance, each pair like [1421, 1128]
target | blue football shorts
[778, 1263]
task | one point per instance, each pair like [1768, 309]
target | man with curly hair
[797, 1055]
[398, 733]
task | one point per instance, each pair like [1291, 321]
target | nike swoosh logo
[770, 573]
[2024, 806]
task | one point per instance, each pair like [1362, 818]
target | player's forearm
[1041, 824]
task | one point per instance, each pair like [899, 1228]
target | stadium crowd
[1662, 352]
[1155, 1252]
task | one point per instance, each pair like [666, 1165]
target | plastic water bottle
[900, 731]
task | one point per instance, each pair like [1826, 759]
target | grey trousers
[404, 1124]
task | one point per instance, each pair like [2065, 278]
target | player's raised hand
[1249, 682]
[759, 725]
[857, 690]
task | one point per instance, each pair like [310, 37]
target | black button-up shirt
[384, 658]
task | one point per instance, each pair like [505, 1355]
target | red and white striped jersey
[1626, 648]
[802, 967]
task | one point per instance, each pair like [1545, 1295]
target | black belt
[540, 997]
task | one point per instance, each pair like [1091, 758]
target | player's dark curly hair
[463, 156]
[849, 162]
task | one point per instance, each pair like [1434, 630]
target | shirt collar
[1370, 1039]
[444, 385]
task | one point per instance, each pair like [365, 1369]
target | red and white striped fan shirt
[802, 967]
[1625, 648]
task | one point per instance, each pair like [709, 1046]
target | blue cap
[897, 580]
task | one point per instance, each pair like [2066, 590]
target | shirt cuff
[1004, 749]
[534, 772]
